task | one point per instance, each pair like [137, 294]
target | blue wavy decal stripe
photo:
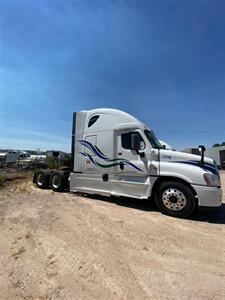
[99, 150]
[93, 149]
[89, 156]
[206, 167]
[111, 162]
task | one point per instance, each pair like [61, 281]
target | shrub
[52, 162]
[217, 144]
[67, 160]
[2, 179]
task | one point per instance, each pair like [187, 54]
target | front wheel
[175, 199]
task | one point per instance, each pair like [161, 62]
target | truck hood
[186, 158]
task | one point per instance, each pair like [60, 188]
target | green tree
[216, 145]
[52, 162]
[2, 179]
[67, 160]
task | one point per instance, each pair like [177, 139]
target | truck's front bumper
[208, 196]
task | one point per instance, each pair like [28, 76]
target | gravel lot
[66, 246]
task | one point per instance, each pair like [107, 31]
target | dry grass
[65, 246]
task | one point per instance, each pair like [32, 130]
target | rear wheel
[175, 199]
[42, 180]
[58, 181]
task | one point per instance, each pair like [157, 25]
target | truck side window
[92, 120]
[126, 140]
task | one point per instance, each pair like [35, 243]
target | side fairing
[77, 134]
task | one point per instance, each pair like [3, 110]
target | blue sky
[160, 60]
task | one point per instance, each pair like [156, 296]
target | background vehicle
[223, 165]
[10, 157]
[217, 153]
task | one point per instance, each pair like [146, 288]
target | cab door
[131, 172]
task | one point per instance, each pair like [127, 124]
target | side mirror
[201, 149]
[135, 141]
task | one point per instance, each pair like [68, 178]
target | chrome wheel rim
[56, 181]
[40, 179]
[174, 199]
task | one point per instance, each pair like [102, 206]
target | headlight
[210, 179]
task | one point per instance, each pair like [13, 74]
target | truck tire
[58, 181]
[175, 199]
[42, 179]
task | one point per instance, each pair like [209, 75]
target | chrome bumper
[208, 196]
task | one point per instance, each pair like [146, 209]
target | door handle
[105, 177]
[121, 165]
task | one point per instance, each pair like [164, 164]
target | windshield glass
[153, 139]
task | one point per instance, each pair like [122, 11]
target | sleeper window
[92, 120]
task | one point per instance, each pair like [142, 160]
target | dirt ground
[66, 246]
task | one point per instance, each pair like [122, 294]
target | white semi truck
[113, 153]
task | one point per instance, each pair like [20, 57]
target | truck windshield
[153, 139]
